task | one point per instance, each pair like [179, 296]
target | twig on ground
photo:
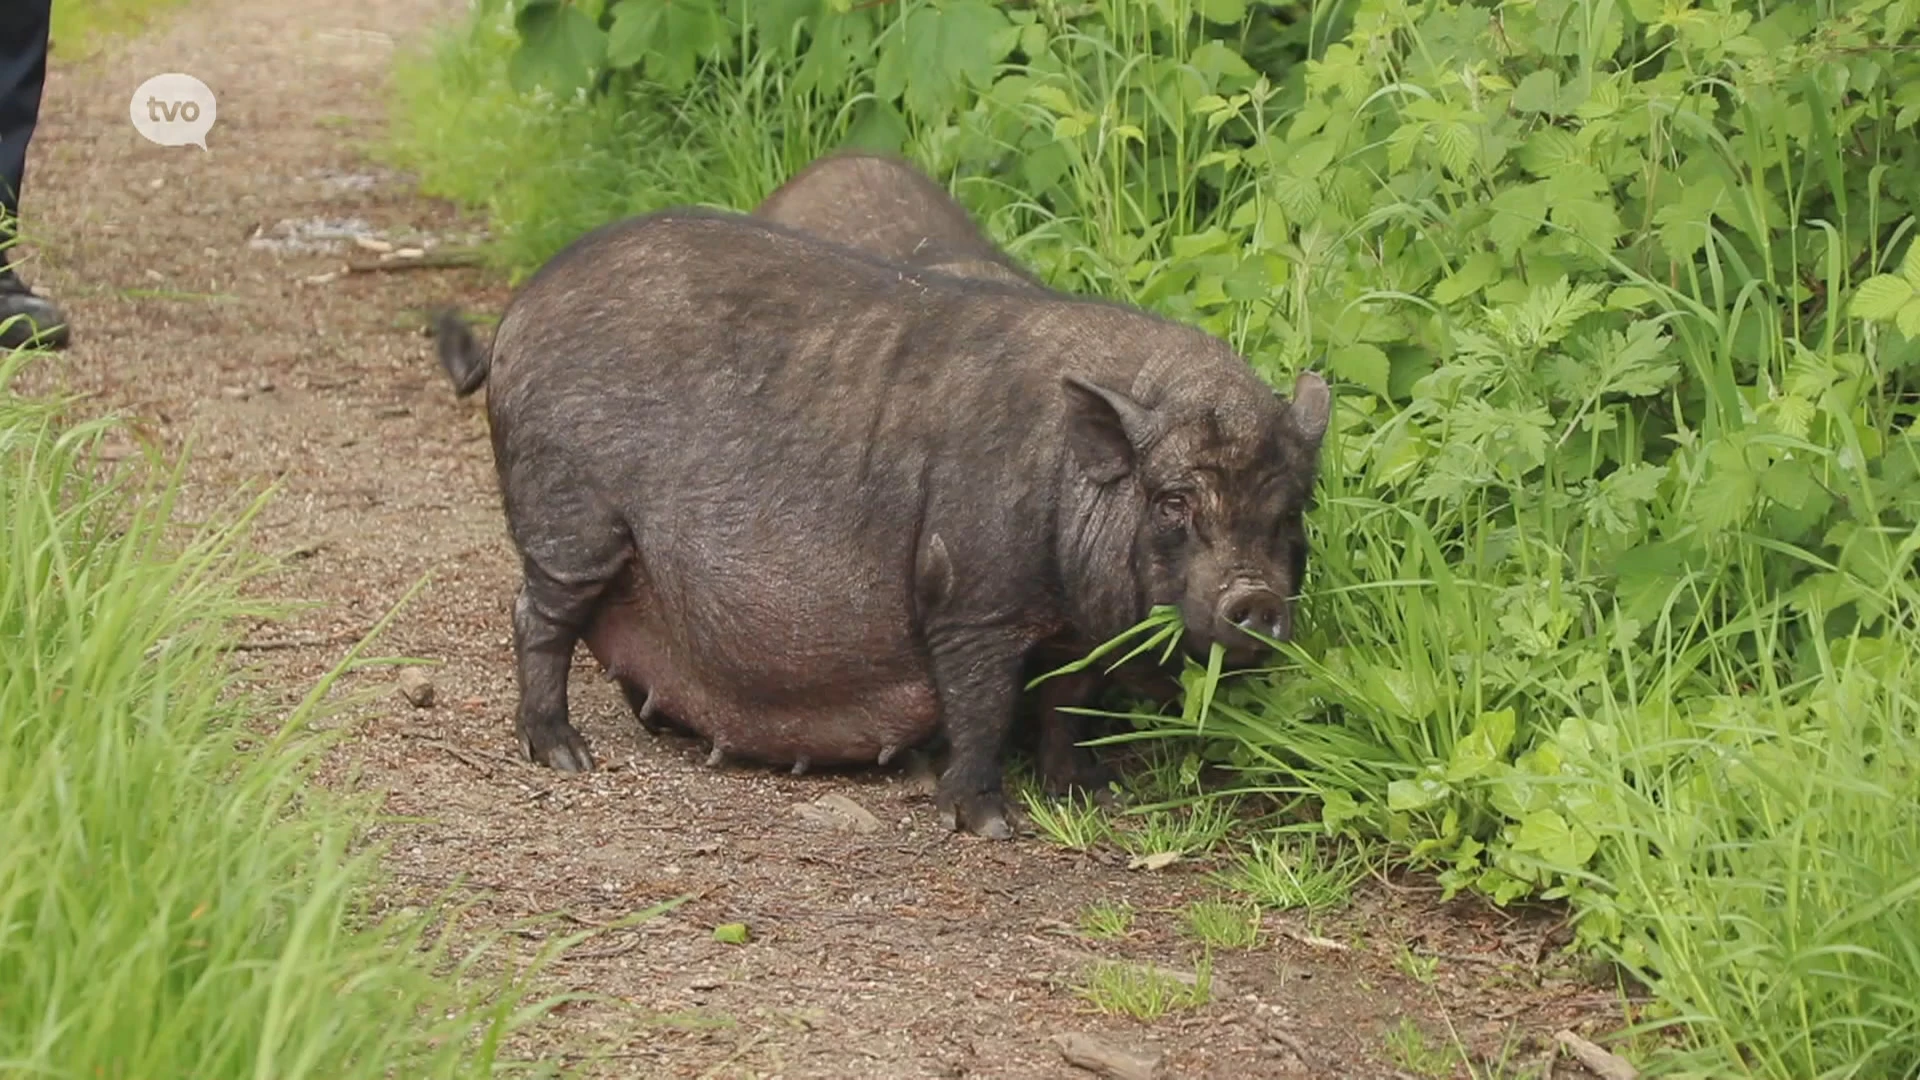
[758, 1038]
[452, 751]
[1293, 1043]
[298, 641]
[607, 954]
[432, 261]
[1315, 940]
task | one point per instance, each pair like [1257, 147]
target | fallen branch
[1090, 1053]
[1606, 1065]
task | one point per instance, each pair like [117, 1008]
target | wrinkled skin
[821, 507]
[884, 205]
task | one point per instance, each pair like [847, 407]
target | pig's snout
[1248, 608]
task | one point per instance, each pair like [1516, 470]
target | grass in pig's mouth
[1162, 626]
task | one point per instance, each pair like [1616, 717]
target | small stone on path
[837, 812]
[416, 687]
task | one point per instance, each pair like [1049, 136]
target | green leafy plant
[1284, 874]
[1075, 822]
[1409, 1047]
[1222, 924]
[1106, 920]
[1192, 830]
[1421, 969]
[1141, 991]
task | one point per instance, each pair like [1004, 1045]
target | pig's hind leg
[564, 577]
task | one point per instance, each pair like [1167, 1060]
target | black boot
[40, 316]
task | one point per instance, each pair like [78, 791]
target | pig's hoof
[716, 757]
[982, 815]
[562, 749]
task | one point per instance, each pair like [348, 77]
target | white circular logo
[173, 110]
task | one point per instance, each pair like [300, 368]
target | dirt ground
[197, 284]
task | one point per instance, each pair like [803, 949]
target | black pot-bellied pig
[884, 206]
[817, 507]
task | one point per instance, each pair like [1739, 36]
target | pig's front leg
[977, 673]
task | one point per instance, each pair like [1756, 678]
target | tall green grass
[177, 899]
[1613, 590]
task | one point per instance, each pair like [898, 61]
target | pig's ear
[1105, 428]
[1311, 407]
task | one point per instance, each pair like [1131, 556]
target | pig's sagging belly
[839, 699]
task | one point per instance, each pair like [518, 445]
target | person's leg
[23, 72]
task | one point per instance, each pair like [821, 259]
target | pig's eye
[1173, 509]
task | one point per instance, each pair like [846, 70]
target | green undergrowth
[81, 29]
[177, 898]
[1613, 593]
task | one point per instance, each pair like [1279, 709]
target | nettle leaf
[1222, 11]
[1580, 201]
[1298, 196]
[1364, 365]
[1223, 68]
[1550, 151]
[1910, 266]
[774, 21]
[945, 47]
[1457, 145]
[560, 46]
[1882, 296]
[836, 44]
[1792, 415]
[1342, 68]
[1789, 483]
[1730, 489]
[1908, 320]
[1685, 221]
[1482, 268]
[1518, 213]
[1404, 143]
[670, 37]
[1537, 92]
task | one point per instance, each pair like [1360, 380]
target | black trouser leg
[23, 72]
